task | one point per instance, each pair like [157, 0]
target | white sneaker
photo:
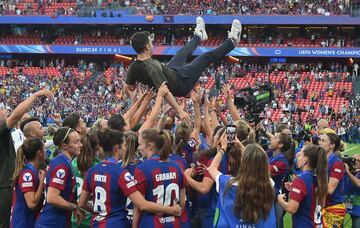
[235, 33]
[200, 29]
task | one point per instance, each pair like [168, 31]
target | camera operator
[352, 186]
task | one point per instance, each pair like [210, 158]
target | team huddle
[176, 176]
[155, 166]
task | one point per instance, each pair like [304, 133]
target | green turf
[351, 149]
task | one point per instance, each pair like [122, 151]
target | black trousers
[5, 207]
[189, 74]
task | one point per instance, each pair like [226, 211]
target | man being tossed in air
[179, 77]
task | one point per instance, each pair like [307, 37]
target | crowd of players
[165, 172]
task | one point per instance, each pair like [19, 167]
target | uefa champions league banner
[171, 50]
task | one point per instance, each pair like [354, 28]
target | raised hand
[133, 93]
[182, 104]
[184, 116]
[44, 93]
[196, 97]
[42, 175]
[149, 95]
[163, 90]
[223, 142]
[225, 90]
[206, 102]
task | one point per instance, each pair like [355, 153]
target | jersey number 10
[164, 195]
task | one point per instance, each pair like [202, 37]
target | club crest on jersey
[192, 143]
[60, 173]
[27, 177]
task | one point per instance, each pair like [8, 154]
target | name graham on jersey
[100, 178]
[165, 176]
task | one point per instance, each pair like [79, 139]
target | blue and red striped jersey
[185, 216]
[110, 184]
[22, 215]
[303, 192]
[60, 176]
[278, 166]
[336, 170]
[131, 168]
[160, 182]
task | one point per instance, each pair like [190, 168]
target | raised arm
[141, 108]
[133, 108]
[182, 114]
[150, 121]
[232, 108]
[196, 98]
[213, 114]
[24, 106]
[219, 114]
[207, 125]
[213, 168]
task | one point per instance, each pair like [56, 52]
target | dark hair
[288, 147]
[117, 122]
[255, 203]
[216, 129]
[24, 122]
[87, 156]
[71, 121]
[160, 139]
[110, 138]
[62, 135]
[182, 135]
[26, 152]
[208, 153]
[281, 127]
[318, 162]
[335, 139]
[235, 155]
[132, 145]
[139, 41]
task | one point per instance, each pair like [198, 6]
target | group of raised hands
[200, 97]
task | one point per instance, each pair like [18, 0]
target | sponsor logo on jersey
[337, 170]
[169, 219]
[296, 190]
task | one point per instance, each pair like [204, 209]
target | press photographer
[352, 186]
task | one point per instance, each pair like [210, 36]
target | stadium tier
[143, 107]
